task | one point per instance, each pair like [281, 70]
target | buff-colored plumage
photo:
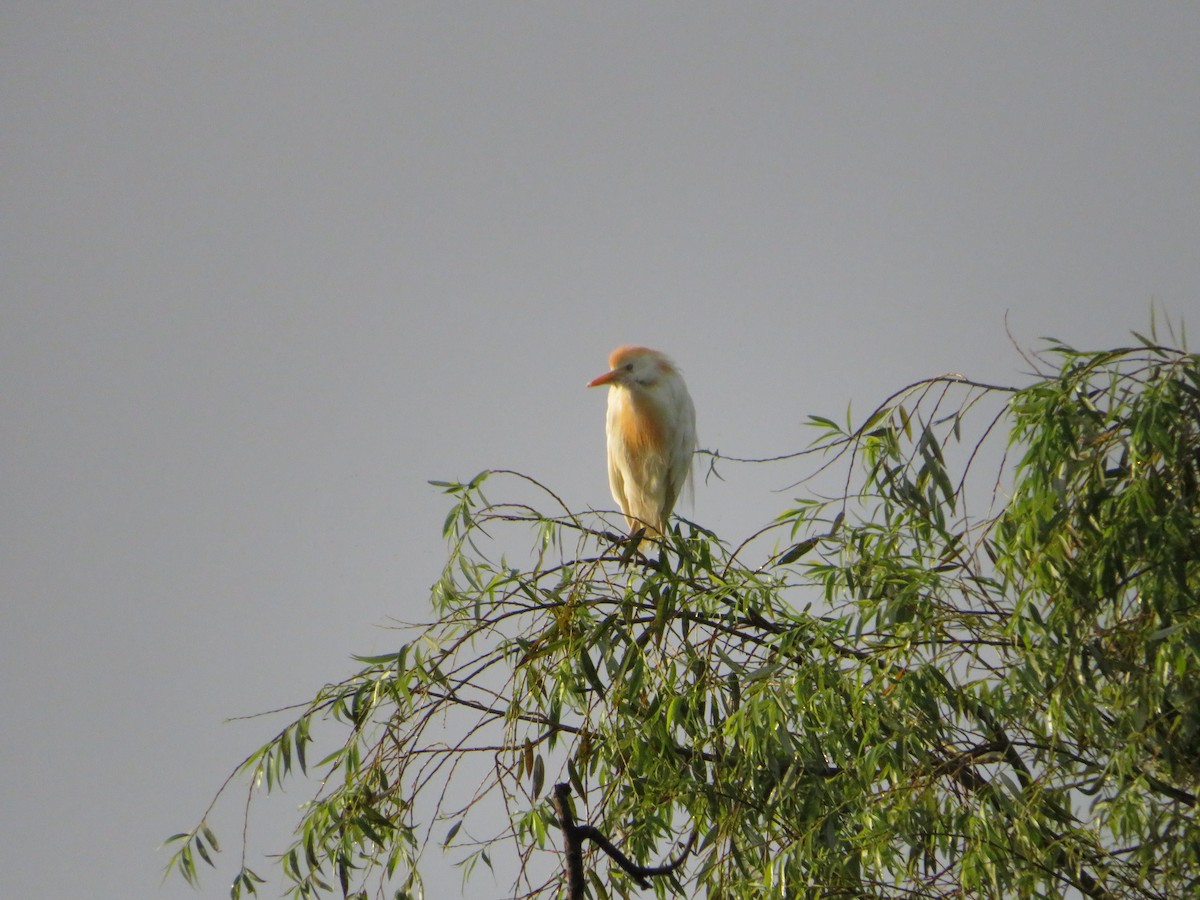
[651, 429]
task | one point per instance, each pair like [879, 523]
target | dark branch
[572, 841]
[574, 836]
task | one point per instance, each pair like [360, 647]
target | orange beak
[606, 378]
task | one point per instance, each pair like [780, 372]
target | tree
[965, 661]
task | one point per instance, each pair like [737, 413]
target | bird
[651, 432]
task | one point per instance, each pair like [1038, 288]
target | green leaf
[822, 422]
[798, 550]
[210, 837]
[589, 672]
[539, 775]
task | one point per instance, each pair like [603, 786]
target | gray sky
[267, 268]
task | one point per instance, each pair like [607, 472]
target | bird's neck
[640, 419]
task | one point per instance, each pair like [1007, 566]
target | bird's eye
[628, 367]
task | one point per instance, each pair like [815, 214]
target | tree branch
[574, 836]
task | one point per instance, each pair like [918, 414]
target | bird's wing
[683, 444]
[679, 475]
[616, 481]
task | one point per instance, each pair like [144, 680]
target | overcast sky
[267, 268]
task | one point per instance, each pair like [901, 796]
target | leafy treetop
[964, 661]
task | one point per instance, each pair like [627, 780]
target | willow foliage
[971, 668]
